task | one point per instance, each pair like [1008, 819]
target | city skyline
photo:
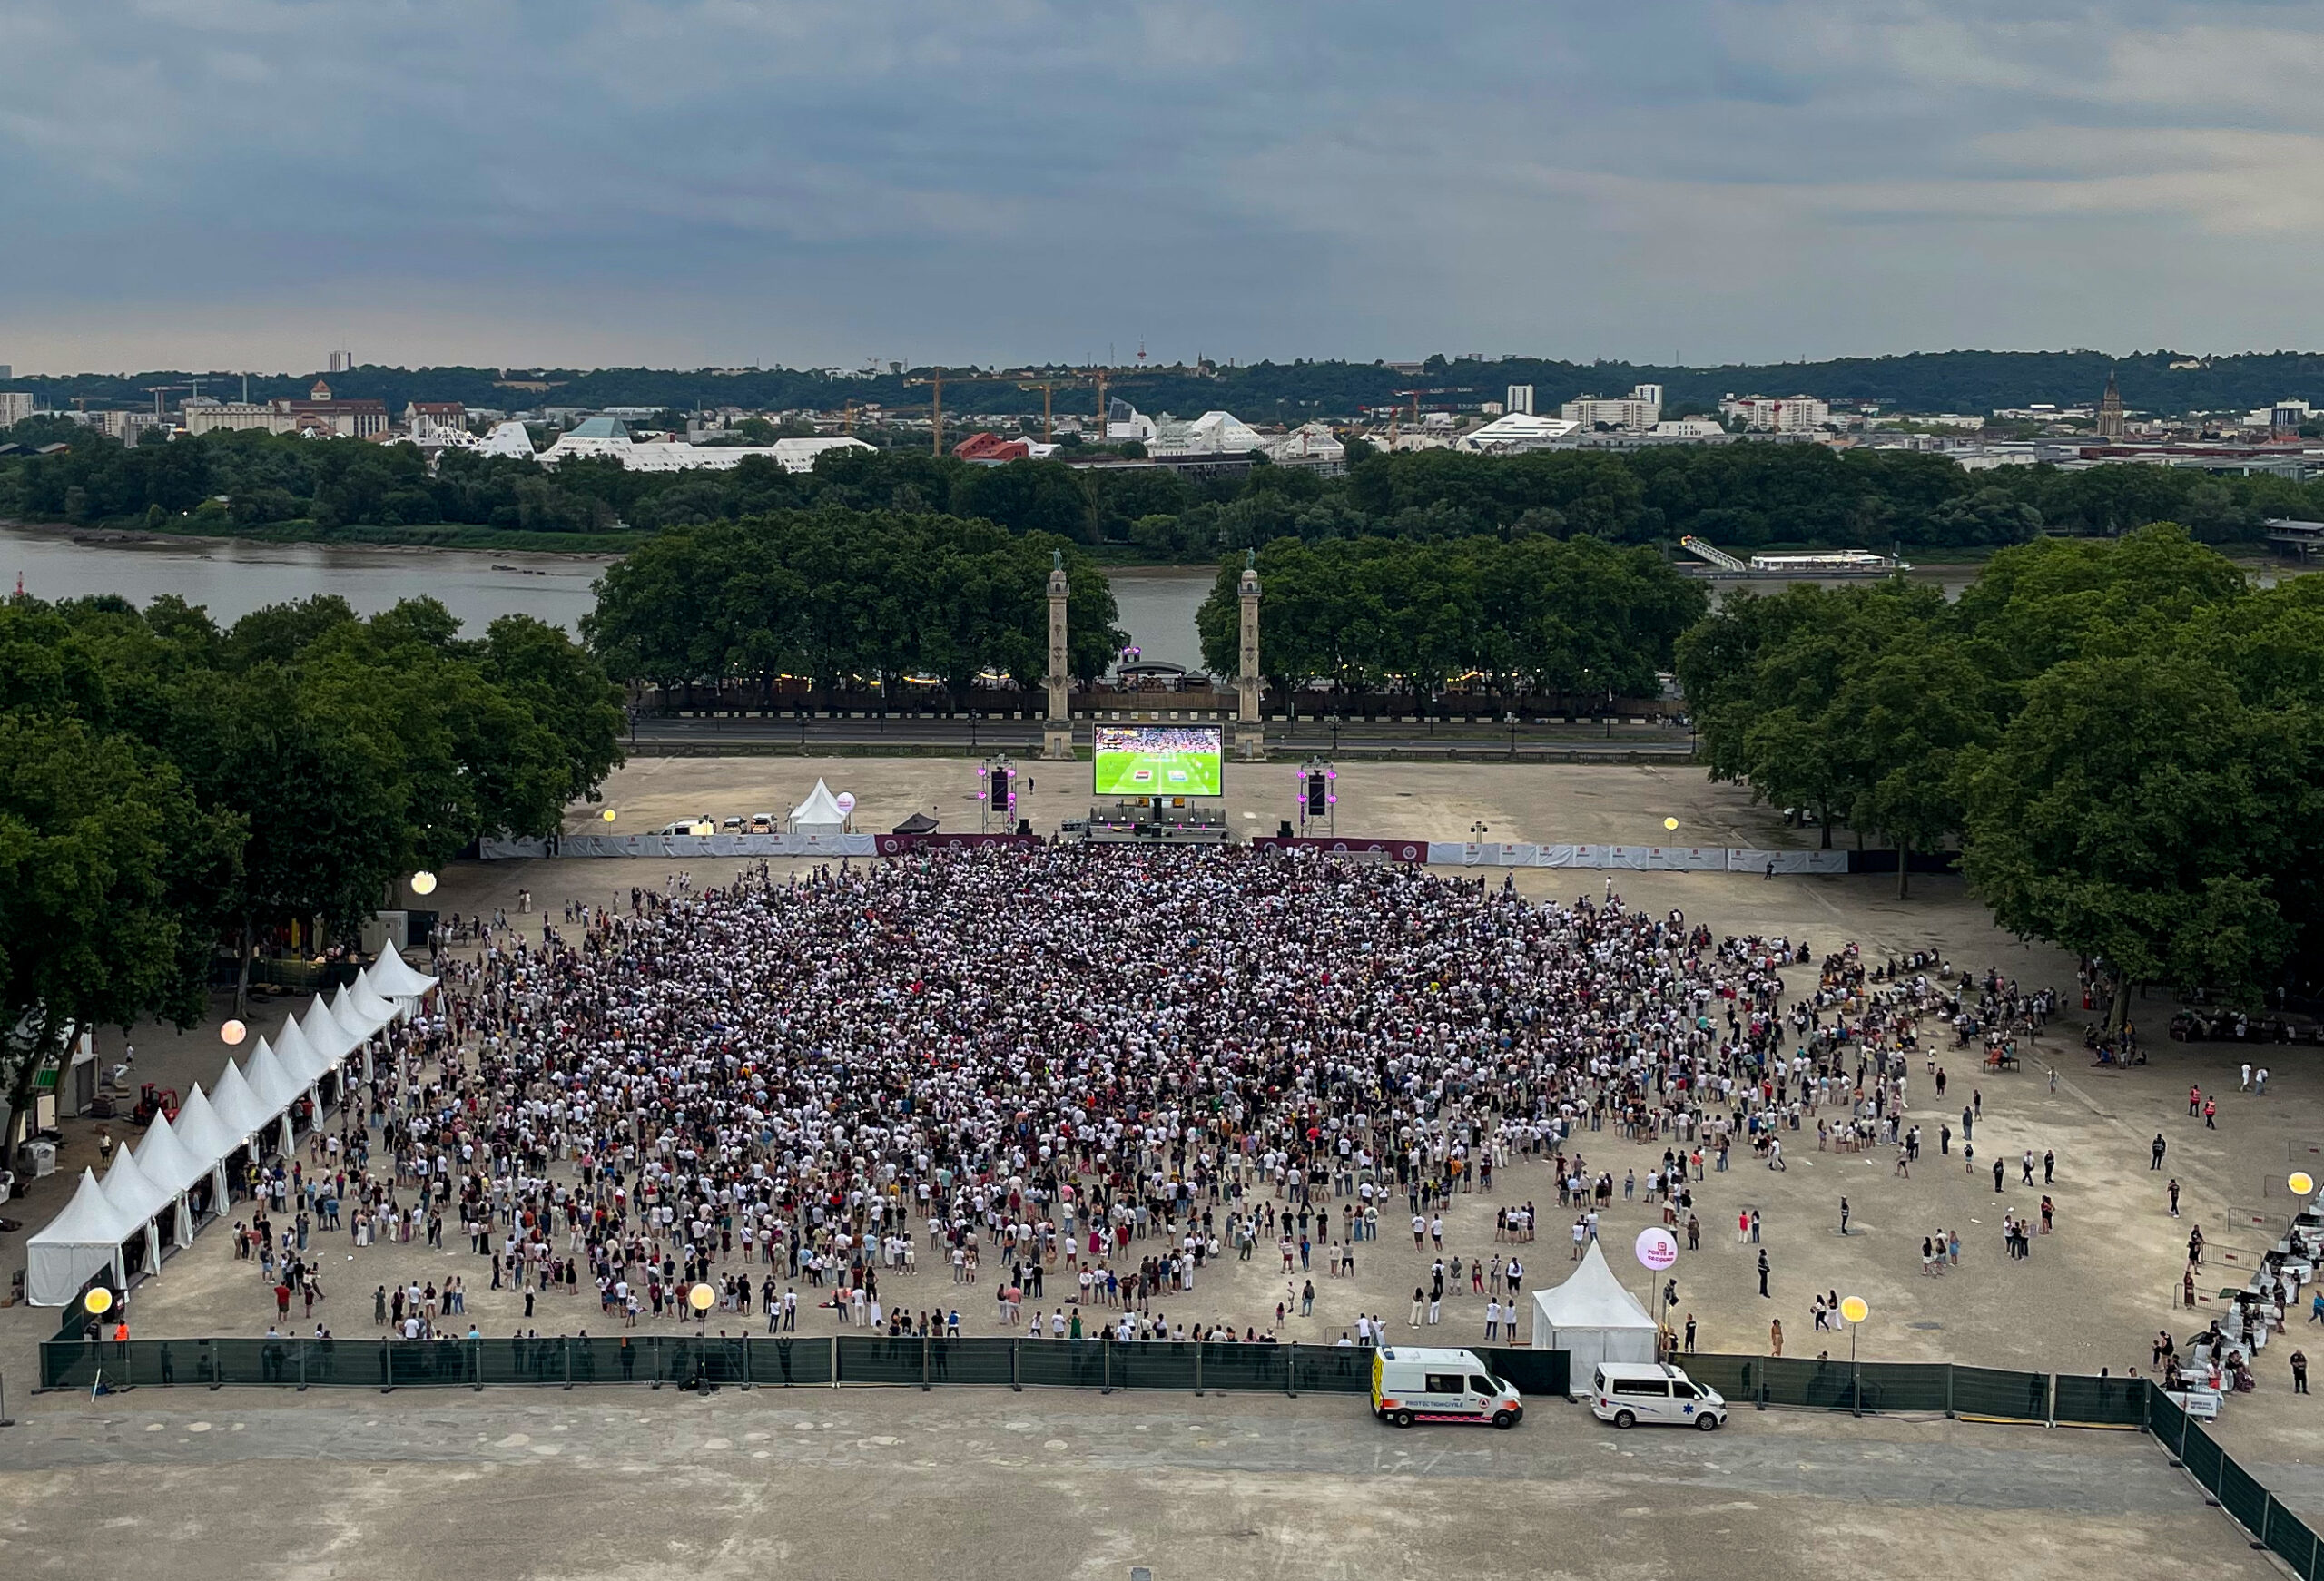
[249, 183]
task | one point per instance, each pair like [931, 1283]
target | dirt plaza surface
[1305, 1478]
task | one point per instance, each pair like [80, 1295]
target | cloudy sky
[248, 183]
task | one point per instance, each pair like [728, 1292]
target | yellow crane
[1047, 383]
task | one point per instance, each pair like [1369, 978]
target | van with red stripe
[1412, 1385]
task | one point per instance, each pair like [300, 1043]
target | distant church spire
[2109, 411]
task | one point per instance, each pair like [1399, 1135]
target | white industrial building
[607, 438]
[1212, 433]
[1514, 433]
[1638, 411]
[1778, 414]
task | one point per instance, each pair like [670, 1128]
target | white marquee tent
[1592, 1317]
[152, 1184]
[818, 814]
[84, 1240]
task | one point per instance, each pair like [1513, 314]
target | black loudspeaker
[1283, 829]
[1318, 789]
[1000, 790]
[1024, 826]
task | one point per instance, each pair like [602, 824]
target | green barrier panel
[67, 1364]
[785, 1363]
[1799, 1381]
[1154, 1363]
[2106, 1403]
[1736, 1378]
[1067, 1364]
[1535, 1374]
[973, 1361]
[1988, 1391]
[1906, 1386]
[438, 1364]
[1339, 1368]
[2166, 1422]
[877, 1359]
[2290, 1540]
[2241, 1495]
[2201, 1458]
[1247, 1367]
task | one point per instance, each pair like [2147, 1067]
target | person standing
[2300, 1372]
[1843, 1215]
[1774, 1336]
[2159, 1145]
[2211, 1114]
[1763, 1274]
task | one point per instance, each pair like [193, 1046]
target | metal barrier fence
[776, 1362]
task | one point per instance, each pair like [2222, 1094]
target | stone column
[1250, 730]
[1057, 732]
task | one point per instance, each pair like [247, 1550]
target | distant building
[1311, 445]
[2109, 411]
[1515, 433]
[510, 439]
[341, 363]
[1520, 399]
[991, 448]
[206, 417]
[15, 404]
[608, 438]
[1212, 433]
[322, 414]
[1124, 421]
[1638, 411]
[1688, 428]
[1777, 415]
[434, 424]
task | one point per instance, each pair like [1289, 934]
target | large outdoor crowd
[1076, 1077]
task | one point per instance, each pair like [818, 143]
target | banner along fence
[766, 1362]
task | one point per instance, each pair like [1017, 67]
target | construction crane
[158, 390]
[1447, 390]
[1047, 383]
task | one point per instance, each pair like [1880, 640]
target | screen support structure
[1319, 797]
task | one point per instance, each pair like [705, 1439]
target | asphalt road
[698, 734]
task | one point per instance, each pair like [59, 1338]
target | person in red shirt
[282, 1301]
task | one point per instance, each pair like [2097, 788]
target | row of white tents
[152, 1192]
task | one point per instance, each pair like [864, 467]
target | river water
[231, 578]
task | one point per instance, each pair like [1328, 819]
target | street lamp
[1854, 1309]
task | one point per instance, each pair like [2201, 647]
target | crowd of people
[1078, 1077]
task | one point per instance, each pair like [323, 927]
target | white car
[1626, 1393]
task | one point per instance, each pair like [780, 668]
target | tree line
[844, 597]
[1568, 618]
[2125, 738]
[168, 787]
[1746, 496]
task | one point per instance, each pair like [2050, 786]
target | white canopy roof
[298, 1055]
[325, 1032]
[358, 1025]
[276, 1088]
[236, 1107]
[200, 1130]
[391, 978]
[818, 814]
[166, 1160]
[356, 1000]
[79, 1241]
[132, 1196]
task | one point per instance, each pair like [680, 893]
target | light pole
[1855, 1311]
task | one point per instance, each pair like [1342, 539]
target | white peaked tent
[167, 1163]
[1593, 1318]
[138, 1202]
[325, 1032]
[236, 1107]
[818, 814]
[297, 1056]
[83, 1240]
[205, 1136]
[397, 983]
[276, 1088]
[373, 1007]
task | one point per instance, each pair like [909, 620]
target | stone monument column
[1250, 730]
[1057, 732]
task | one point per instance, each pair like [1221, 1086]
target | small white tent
[205, 1136]
[138, 1203]
[297, 1056]
[236, 1107]
[83, 1240]
[818, 814]
[1592, 1319]
[169, 1165]
[397, 983]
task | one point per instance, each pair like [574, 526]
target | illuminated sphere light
[233, 1032]
[701, 1298]
[423, 883]
[2300, 1184]
[99, 1300]
[1669, 823]
[1854, 1309]
[607, 815]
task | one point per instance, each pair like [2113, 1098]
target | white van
[1626, 1393]
[1411, 1385]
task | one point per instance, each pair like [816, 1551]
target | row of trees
[2127, 739]
[1743, 495]
[838, 596]
[1571, 617]
[167, 786]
